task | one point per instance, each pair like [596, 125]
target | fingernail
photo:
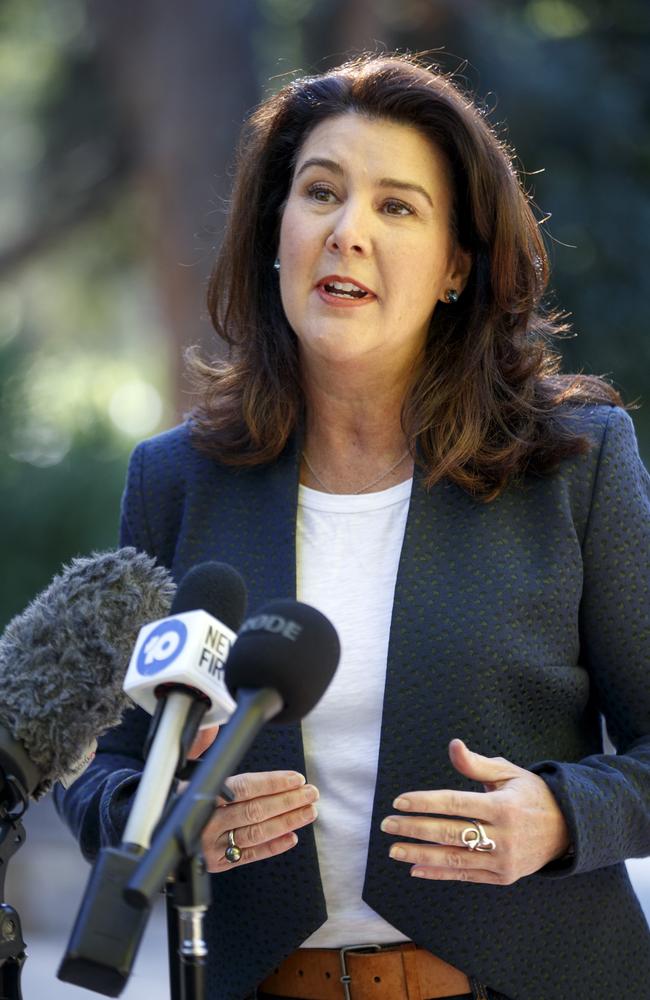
[390, 826]
[312, 793]
[397, 852]
[227, 794]
[417, 873]
[402, 803]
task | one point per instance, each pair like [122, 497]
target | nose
[350, 235]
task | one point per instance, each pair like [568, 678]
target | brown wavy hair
[489, 402]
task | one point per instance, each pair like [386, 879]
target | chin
[336, 345]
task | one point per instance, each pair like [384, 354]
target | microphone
[188, 649]
[279, 667]
[62, 665]
[177, 674]
[289, 647]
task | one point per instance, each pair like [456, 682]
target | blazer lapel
[418, 709]
[279, 903]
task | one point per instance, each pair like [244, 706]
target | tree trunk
[184, 77]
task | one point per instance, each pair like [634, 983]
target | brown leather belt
[366, 972]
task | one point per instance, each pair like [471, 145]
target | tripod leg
[10, 979]
[12, 953]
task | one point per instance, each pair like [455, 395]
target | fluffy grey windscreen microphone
[63, 660]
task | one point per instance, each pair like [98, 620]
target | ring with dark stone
[233, 852]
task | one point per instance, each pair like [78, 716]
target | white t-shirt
[348, 550]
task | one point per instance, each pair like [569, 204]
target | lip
[329, 278]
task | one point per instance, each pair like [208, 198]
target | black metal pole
[190, 896]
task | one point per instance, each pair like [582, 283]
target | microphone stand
[109, 927]
[187, 894]
[18, 777]
[12, 838]
[175, 848]
[188, 897]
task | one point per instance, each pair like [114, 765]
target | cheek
[292, 254]
[416, 280]
[286, 228]
[294, 233]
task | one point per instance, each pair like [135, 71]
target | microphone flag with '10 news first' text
[189, 649]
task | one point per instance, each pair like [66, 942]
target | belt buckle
[346, 978]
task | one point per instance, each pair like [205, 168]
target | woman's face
[366, 248]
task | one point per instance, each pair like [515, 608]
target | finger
[434, 831]
[451, 858]
[252, 812]
[271, 829]
[489, 770]
[462, 875]
[256, 783]
[450, 802]
[204, 739]
[216, 862]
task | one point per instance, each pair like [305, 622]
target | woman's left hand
[517, 812]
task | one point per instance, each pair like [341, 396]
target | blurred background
[118, 125]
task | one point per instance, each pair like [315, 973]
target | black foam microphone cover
[214, 587]
[290, 647]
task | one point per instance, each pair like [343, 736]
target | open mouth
[345, 290]
[342, 287]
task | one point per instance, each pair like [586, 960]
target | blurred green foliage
[58, 490]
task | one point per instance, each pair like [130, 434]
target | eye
[394, 207]
[321, 194]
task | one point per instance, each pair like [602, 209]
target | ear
[461, 264]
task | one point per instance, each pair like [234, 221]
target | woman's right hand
[268, 807]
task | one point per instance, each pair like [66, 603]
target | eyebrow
[384, 182]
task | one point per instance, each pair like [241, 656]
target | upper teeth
[344, 286]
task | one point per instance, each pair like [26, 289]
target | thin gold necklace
[361, 488]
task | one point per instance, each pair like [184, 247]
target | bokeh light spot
[136, 408]
[42, 445]
[557, 18]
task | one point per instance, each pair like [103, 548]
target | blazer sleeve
[605, 798]
[96, 806]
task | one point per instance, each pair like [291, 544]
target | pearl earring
[451, 296]
[276, 263]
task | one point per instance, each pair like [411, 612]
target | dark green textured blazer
[515, 624]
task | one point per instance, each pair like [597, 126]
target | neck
[353, 434]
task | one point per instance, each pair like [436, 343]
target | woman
[390, 440]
